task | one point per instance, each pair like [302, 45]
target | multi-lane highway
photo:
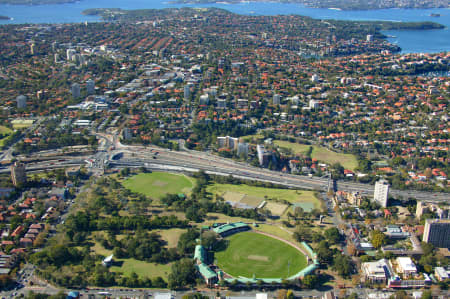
[158, 158]
[153, 157]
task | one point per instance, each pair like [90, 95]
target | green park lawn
[2, 141]
[348, 161]
[127, 266]
[250, 254]
[158, 184]
[249, 138]
[142, 268]
[5, 130]
[171, 236]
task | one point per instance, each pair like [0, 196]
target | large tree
[183, 274]
[378, 239]
[332, 234]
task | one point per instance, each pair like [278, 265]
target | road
[154, 157]
[7, 154]
[141, 293]
[138, 156]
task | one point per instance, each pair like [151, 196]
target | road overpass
[191, 161]
[194, 161]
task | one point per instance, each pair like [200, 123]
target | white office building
[406, 266]
[204, 99]
[381, 192]
[313, 104]
[376, 272]
[70, 54]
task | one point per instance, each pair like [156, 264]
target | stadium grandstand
[231, 228]
[200, 257]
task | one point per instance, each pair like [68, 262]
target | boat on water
[436, 15]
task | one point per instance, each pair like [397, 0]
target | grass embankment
[348, 161]
[276, 231]
[250, 254]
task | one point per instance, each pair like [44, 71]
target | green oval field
[158, 184]
[251, 254]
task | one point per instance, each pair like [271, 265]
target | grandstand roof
[205, 271]
[200, 253]
[226, 227]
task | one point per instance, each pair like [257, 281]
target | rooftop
[379, 268]
[406, 264]
[438, 221]
[227, 227]
[205, 271]
[200, 253]
[108, 259]
[163, 296]
[444, 274]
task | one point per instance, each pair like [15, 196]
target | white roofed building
[162, 296]
[108, 261]
[406, 266]
[441, 273]
[376, 272]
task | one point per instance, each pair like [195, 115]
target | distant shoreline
[348, 5]
[116, 14]
[36, 2]
[326, 4]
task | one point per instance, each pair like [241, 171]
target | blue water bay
[410, 41]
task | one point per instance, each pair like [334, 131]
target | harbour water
[411, 41]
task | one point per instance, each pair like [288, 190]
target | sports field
[322, 154]
[158, 184]
[250, 254]
[22, 123]
[253, 196]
